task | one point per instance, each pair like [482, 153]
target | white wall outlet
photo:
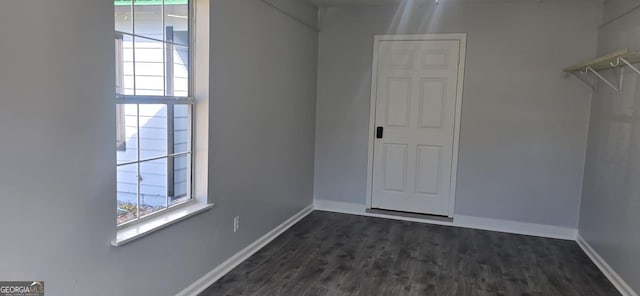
[236, 223]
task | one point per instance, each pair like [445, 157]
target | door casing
[462, 38]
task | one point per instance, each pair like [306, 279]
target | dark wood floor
[337, 254]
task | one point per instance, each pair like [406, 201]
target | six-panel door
[416, 105]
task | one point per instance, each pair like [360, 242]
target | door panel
[428, 169]
[398, 98]
[434, 58]
[433, 92]
[395, 171]
[415, 102]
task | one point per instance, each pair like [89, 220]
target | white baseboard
[516, 227]
[608, 271]
[508, 226]
[211, 277]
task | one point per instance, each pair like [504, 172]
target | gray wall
[523, 124]
[301, 11]
[57, 119]
[609, 218]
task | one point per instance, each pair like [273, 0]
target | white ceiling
[334, 3]
[341, 3]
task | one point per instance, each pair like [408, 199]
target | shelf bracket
[585, 82]
[621, 59]
[616, 88]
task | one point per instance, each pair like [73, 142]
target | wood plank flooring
[337, 254]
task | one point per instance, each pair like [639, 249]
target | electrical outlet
[236, 223]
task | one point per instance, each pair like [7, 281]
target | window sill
[133, 232]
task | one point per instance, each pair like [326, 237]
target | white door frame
[462, 38]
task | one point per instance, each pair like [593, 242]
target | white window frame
[198, 146]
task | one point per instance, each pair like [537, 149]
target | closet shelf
[608, 61]
[621, 58]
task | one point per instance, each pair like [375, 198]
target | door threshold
[410, 215]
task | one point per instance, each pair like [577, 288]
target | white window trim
[177, 214]
[199, 202]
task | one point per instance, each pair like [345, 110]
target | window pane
[123, 19]
[180, 75]
[176, 17]
[149, 67]
[127, 118]
[153, 130]
[127, 193]
[177, 36]
[181, 128]
[153, 186]
[124, 64]
[181, 179]
[148, 20]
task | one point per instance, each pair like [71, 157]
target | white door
[416, 110]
